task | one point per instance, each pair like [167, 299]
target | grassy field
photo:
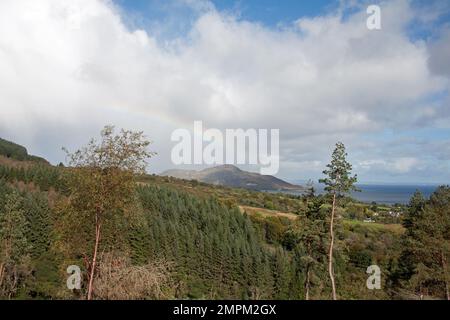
[265, 213]
[373, 226]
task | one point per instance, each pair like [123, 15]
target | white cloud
[396, 166]
[73, 64]
[403, 165]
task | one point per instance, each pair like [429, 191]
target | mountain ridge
[12, 150]
[232, 176]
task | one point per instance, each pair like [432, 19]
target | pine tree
[338, 182]
[415, 208]
[39, 221]
[429, 245]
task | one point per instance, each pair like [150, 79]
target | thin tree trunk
[447, 292]
[94, 257]
[2, 270]
[7, 249]
[330, 253]
[308, 273]
[14, 284]
[444, 268]
[307, 285]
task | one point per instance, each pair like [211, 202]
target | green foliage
[311, 251]
[43, 176]
[13, 226]
[215, 250]
[232, 196]
[13, 245]
[337, 183]
[14, 151]
[339, 180]
[102, 202]
[425, 268]
[31, 261]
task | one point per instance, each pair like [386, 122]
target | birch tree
[101, 181]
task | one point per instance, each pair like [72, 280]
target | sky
[309, 68]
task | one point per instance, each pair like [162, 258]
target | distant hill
[15, 151]
[231, 176]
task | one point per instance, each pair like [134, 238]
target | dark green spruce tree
[428, 245]
[13, 244]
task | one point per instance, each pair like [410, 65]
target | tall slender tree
[338, 182]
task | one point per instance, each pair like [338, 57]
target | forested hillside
[185, 240]
[232, 176]
[14, 151]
